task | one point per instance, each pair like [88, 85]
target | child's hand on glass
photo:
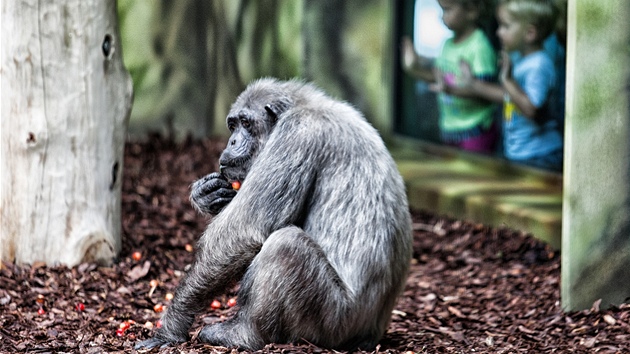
[410, 60]
[459, 86]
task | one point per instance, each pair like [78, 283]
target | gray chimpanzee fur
[319, 233]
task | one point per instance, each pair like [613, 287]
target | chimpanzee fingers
[209, 184]
[205, 179]
[219, 204]
[222, 193]
[214, 202]
[214, 178]
[212, 205]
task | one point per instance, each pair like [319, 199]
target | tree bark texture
[66, 99]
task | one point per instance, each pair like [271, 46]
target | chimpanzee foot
[230, 333]
[152, 343]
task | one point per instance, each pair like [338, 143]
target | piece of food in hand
[215, 305]
[236, 185]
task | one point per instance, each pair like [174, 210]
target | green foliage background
[189, 59]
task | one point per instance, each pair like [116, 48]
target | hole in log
[114, 175]
[107, 45]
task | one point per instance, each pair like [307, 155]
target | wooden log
[66, 99]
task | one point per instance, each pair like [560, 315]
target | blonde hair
[542, 14]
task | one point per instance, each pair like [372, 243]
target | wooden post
[66, 99]
[596, 205]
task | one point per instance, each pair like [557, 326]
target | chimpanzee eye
[245, 123]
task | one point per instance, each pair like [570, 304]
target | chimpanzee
[319, 233]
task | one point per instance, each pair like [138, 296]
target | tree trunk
[324, 59]
[66, 99]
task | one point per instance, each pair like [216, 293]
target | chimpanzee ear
[275, 109]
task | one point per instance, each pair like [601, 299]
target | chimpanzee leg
[290, 291]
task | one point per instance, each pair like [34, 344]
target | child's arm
[472, 87]
[514, 91]
[415, 65]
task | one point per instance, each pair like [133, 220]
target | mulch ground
[472, 288]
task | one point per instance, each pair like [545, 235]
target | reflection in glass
[429, 35]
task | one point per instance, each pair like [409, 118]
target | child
[531, 133]
[465, 121]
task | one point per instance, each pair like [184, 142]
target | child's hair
[485, 8]
[486, 20]
[542, 14]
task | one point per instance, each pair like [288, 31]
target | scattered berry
[215, 305]
[148, 325]
[158, 308]
[168, 296]
[153, 283]
[236, 185]
[40, 299]
[124, 326]
[188, 247]
[80, 306]
[41, 311]
[136, 256]
[158, 324]
[231, 302]
[120, 332]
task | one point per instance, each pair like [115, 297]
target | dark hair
[486, 20]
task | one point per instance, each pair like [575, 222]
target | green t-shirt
[464, 117]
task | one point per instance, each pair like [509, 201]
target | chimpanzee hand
[211, 193]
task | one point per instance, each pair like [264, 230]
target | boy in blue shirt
[530, 132]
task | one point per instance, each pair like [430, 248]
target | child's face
[454, 15]
[511, 32]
